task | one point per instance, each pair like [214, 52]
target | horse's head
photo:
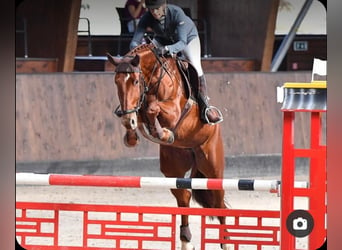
[129, 89]
[145, 80]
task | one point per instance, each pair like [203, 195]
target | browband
[126, 68]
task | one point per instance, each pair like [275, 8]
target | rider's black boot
[209, 114]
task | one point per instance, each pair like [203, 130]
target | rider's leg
[209, 114]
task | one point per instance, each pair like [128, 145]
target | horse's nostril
[133, 124]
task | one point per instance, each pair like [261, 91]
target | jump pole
[151, 182]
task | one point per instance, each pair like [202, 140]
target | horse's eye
[136, 81]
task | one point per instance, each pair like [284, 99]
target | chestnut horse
[154, 98]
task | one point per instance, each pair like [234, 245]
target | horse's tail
[205, 198]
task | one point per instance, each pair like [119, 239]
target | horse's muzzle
[130, 121]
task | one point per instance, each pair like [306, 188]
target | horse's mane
[141, 48]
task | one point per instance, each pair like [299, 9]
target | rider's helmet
[154, 4]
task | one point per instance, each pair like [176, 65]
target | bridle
[145, 87]
[128, 68]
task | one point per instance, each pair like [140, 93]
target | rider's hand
[163, 51]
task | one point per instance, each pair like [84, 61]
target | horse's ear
[113, 60]
[135, 61]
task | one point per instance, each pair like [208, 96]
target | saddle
[188, 73]
[189, 76]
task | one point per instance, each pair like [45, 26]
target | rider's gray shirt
[177, 32]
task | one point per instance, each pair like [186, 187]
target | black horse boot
[209, 114]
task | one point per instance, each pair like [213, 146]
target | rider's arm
[144, 22]
[186, 31]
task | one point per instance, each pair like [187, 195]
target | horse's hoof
[187, 246]
[131, 139]
[168, 136]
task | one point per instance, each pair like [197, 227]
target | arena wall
[68, 116]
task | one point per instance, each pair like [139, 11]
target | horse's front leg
[156, 130]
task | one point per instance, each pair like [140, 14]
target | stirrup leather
[219, 115]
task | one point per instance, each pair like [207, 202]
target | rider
[176, 32]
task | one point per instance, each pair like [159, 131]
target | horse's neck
[141, 49]
[165, 73]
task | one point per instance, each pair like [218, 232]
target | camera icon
[300, 224]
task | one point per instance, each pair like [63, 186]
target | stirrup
[219, 115]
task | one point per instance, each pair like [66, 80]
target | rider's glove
[163, 51]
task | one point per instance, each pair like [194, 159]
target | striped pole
[151, 182]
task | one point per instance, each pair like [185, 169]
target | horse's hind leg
[210, 164]
[212, 199]
[175, 162]
[183, 200]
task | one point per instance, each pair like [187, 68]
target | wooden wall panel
[36, 65]
[267, 49]
[69, 116]
[240, 28]
[67, 33]
[228, 64]
[252, 117]
[209, 65]
[51, 29]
